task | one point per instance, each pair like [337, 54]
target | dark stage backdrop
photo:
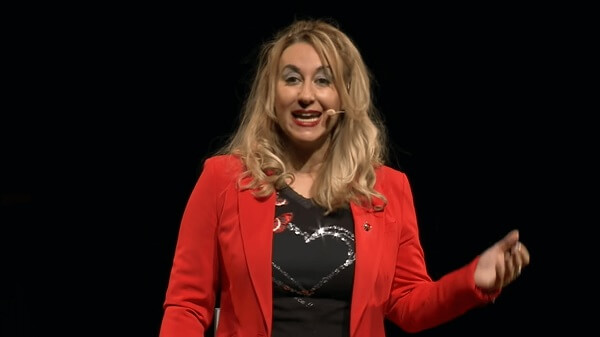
[115, 114]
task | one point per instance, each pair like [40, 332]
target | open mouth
[306, 117]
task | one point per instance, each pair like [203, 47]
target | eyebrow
[296, 69]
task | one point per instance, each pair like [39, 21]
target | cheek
[280, 103]
[329, 97]
[279, 114]
[284, 96]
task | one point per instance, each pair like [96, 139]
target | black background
[110, 113]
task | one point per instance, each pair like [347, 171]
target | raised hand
[501, 263]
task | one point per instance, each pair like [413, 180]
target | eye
[292, 79]
[323, 81]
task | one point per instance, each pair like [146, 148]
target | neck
[303, 160]
[306, 164]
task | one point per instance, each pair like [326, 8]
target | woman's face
[304, 91]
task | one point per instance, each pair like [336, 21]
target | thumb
[509, 240]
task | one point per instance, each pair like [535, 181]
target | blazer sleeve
[191, 293]
[416, 301]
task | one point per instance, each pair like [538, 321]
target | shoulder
[388, 172]
[224, 161]
[223, 168]
[390, 178]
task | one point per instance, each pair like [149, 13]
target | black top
[313, 268]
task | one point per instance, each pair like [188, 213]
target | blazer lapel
[256, 219]
[369, 233]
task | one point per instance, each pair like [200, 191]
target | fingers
[501, 271]
[515, 259]
[524, 253]
[508, 267]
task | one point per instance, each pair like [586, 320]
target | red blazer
[225, 243]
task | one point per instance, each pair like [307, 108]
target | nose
[306, 95]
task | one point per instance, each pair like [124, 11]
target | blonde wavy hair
[357, 144]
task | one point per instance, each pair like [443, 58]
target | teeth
[308, 119]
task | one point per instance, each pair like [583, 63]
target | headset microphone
[332, 112]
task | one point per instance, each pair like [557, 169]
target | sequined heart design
[334, 232]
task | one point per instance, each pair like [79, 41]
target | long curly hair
[357, 145]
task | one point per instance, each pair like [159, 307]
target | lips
[307, 118]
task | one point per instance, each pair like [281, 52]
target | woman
[298, 228]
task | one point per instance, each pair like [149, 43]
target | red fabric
[225, 244]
